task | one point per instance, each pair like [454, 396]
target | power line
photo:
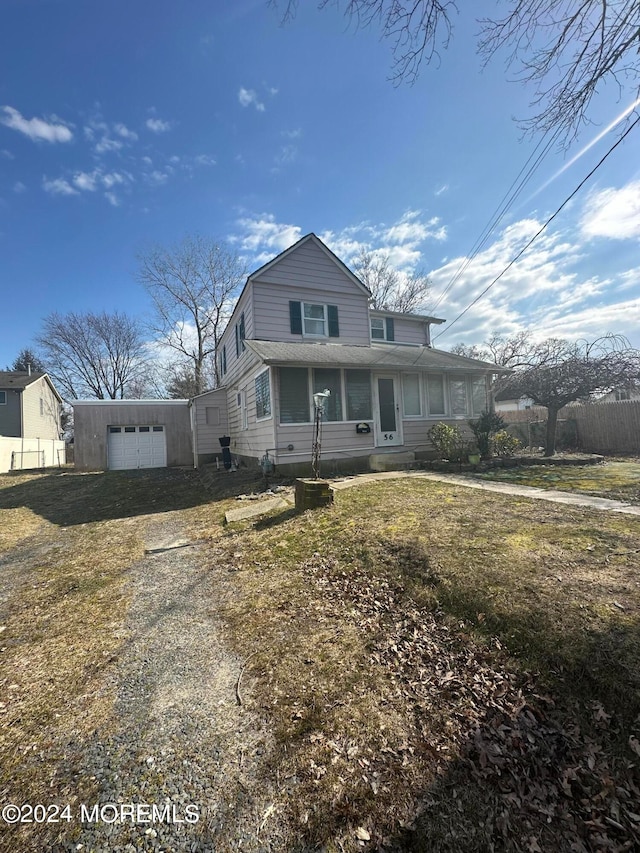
[539, 232]
[500, 212]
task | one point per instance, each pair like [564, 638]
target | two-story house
[303, 324]
[30, 427]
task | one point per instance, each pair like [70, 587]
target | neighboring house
[30, 427]
[619, 394]
[505, 403]
[303, 324]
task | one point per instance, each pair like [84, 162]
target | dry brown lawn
[444, 669]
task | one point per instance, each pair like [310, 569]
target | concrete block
[391, 461]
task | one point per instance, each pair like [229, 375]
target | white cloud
[204, 160]
[613, 213]
[125, 133]
[37, 129]
[6, 154]
[112, 198]
[19, 187]
[157, 125]
[85, 181]
[296, 133]
[442, 189]
[157, 178]
[246, 97]
[59, 186]
[107, 144]
[264, 237]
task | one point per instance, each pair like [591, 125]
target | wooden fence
[601, 427]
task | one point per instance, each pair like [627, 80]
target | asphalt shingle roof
[17, 378]
[384, 356]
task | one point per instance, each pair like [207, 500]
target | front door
[387, 421]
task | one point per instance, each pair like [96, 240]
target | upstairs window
[3, 398]
[382, 329]
[314, 320]
[240, 335]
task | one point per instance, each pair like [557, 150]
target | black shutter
[237, 342]
[295, 317]
[389, 322]
[242, 331]
[332, 315]
[224, 359]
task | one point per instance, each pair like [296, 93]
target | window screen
[294, 395]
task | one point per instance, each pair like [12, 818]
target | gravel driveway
[182, 739]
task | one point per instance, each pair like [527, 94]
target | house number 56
[388, 436]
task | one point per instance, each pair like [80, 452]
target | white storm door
[387, 420]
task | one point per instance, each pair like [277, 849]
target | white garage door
[137, 447]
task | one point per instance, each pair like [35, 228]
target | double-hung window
[314, 320]
[435, 394]
[3, 398]
[263, 395]
[358, 388]
[329, 378]
[294, 395]
[412, 406]
[382, 329]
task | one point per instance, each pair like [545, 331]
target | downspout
[194, 434]
[21, 429]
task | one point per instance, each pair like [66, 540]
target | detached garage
[128, 434]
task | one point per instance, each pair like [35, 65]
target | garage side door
[136, 447]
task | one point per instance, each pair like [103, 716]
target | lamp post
[319, 400]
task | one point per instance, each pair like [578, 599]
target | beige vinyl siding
[408, 331]
[259, 435]
[271, 303]
[308, 274]
[207, 430]
[339, 440]
[237, 365]
[40, 422]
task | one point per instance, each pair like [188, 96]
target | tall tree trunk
[552, 422]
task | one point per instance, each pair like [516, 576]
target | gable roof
[311, 237]
[385, 357]
[18, 380]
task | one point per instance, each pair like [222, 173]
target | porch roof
[381, 356]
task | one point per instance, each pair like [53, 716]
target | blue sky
[128, 124]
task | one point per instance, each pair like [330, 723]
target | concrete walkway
[570, 498]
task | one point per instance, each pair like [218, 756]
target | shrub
[487, 425]
[505, 444]
[448, 441]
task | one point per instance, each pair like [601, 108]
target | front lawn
[445, 670]
[619, 480]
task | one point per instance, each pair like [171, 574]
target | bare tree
[519, 350]
[193, 286]
[575, 372]
[94, 355]
[567, 50]
[390, 289]
[417, 29]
